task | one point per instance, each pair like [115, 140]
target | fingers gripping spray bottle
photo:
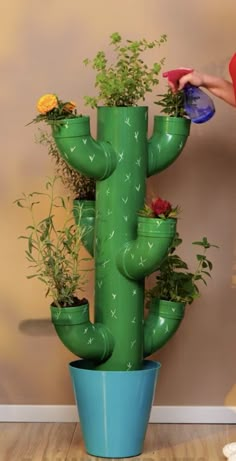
[198, 106]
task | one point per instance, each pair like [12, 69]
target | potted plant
[80, 186]
[54, 257]
[176, 285]
[54, 253]
[113, 375]
[126, 80]
[171, 125]
[174, 281]
[54, 112]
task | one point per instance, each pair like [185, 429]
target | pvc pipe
[144, 255]
[163, 320]
[84, 214]
[79, 335]
[77, 147]
[167, 142]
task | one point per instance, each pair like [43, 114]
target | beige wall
[42, 46]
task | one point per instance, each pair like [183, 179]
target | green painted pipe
[77, 147]
[145, 254]
[163, 320]
[84, 213]
[119, 300]
[79, 335]
[167, 142]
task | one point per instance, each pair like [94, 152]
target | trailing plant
[159, 208]
[172, 103]
[54, 253]
[53, 110]
[174, 280]
[127, 79]
[82, 187]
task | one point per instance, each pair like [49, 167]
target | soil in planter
[75, 303]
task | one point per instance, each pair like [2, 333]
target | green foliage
[53, 254]
[172, 103]
[82, 187]
[126, 80]
[174, 281]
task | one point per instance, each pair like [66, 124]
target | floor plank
[35, 441]
[188, 442]
[177, 442]
[63, 442]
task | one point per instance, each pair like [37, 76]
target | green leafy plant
[159, 209]
[82, 187]
[53, 110]
[174, 280]
[172, 103]
[54, 254]
[126, 80]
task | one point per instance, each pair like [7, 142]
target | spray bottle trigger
[174, 75]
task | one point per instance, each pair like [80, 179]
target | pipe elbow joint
[141, 257]
[77, 147]
[84, 215]
[79, 335]
[163, 319]
[167, 142]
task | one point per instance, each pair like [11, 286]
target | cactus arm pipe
[167, 142]
[163, 320]
[141, 257]
[79, 335]
[84, 214]
[77, 147]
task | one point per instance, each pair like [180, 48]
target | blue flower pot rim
[86, 366]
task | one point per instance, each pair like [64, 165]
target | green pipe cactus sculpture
[126, 247]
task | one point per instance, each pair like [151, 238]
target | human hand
[175, 75]
[194, 78]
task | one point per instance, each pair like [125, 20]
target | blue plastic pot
[114, 407]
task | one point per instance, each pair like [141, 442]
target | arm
[219, 87]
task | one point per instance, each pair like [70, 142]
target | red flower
[161, 207]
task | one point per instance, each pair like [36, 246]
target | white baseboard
[159, 414]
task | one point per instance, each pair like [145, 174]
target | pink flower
[161, 207]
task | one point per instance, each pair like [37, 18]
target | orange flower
[69, 106]
[46, 103]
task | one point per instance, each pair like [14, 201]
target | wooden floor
[63, 442]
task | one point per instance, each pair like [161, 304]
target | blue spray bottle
[198, 106]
